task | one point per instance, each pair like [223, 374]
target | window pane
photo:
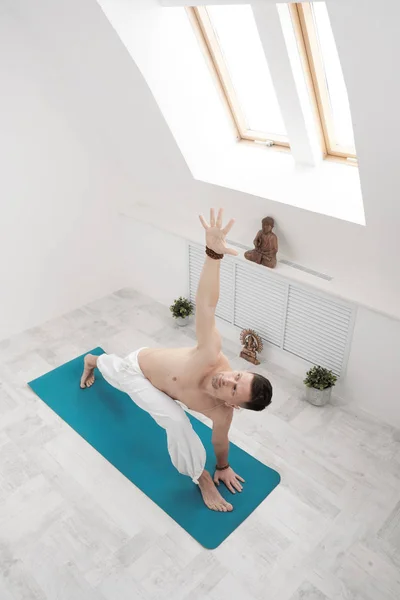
[241, 46]
[339, 103]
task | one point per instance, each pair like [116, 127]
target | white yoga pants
[187, 453]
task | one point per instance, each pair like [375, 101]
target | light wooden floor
[73, 528]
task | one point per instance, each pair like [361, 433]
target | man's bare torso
[179, 372]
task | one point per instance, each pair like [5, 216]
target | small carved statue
[266, 245]
[252, 344]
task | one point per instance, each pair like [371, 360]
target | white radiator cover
[314, 326]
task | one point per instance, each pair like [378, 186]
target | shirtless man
[161, 380]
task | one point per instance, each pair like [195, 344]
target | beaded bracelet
[217, 468]
[213, 254]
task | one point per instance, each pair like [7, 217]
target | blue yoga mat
[131, 441]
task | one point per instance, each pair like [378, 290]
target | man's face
[233, 387]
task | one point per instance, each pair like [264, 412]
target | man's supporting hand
[230, 479]
[215, 233]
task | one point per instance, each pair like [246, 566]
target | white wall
[372, 379]
[77, 126]
[155, 262]
[55, 223]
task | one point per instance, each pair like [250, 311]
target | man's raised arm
[208, 289]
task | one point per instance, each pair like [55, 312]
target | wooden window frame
[310, 55]
[202, 22]
[306, 35]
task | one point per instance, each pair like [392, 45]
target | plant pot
[182, 321]
[318, 397]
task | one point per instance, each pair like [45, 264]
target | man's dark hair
[261, 393]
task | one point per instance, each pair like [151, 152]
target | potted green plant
[181, 310]
[319, 383]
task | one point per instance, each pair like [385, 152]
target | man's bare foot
[87, 379]
[211, 496]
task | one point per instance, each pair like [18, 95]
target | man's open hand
[230, 479]
[215, 234]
